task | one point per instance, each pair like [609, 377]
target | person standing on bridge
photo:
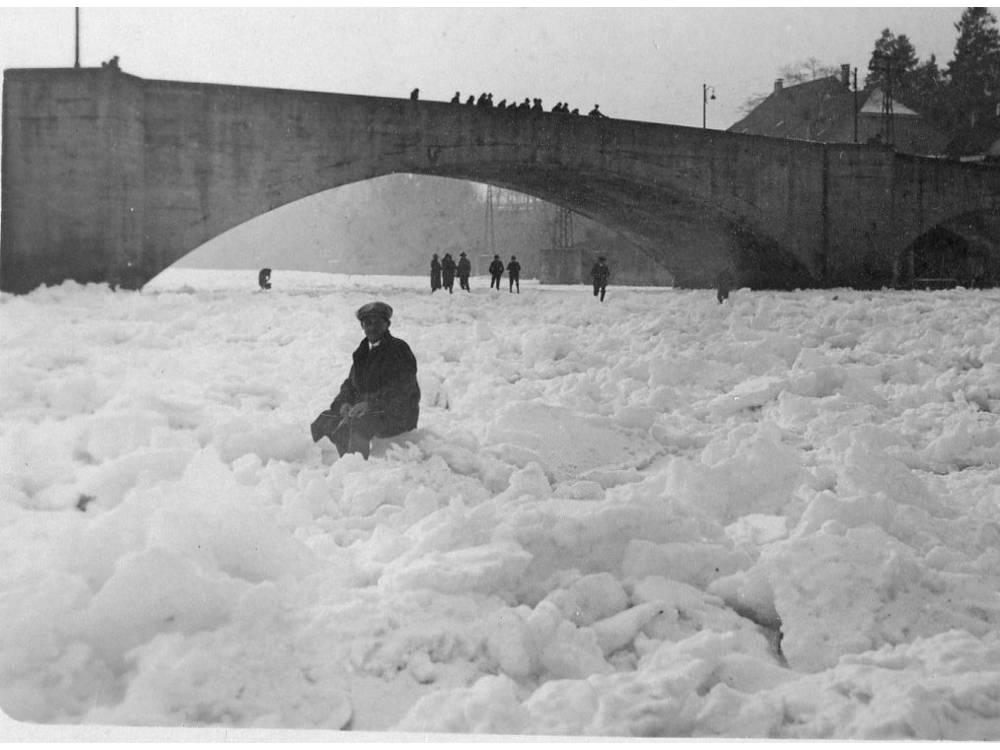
[601, 273]
[514, 274]
[464, 269]
[596, 112]
[448, 272]
[496, 271]
[435, 273]
[415, 94]
[457, 99]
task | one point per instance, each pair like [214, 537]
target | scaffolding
[883, 63]
[562, 229]
[489, 231]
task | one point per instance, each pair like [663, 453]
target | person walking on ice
[464, 269]
[514, 273]
[448, 272]
[381, 396]
[724, 284]
[435, 273]
[496, 272]
[600, 272]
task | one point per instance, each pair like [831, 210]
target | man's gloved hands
[359, 409]
[328, 422]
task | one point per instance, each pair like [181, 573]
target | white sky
[638, 63]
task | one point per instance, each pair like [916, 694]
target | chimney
[778, 84]
[845, 75]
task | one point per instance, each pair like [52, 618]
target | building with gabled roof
[828, 111]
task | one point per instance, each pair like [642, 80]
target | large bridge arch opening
[391, 225]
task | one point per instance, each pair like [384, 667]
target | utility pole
[855, 105]
[77, 64]
[704, 102]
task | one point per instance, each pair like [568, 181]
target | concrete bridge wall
[109, 177]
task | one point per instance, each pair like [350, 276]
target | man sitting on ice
[380, 397]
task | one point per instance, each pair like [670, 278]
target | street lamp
[704, 101]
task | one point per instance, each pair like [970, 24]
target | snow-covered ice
[657, 516]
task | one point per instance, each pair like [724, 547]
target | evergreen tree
[974, 74]
[893, 56]
[925, 90]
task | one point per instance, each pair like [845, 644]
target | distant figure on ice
[414, 95]
[600, 272]
[464, 269]
[264, 278]
[724, 283]
[435, 273]
[380, 397]
[514, 273]
[448, 272]
[496, 271]
[596, 112]
[457, 99]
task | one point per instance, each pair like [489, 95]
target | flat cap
[375, 308]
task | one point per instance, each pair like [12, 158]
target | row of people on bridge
[485, 101]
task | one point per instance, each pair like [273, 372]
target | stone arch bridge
[110, 177]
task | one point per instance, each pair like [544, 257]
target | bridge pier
[73, 178]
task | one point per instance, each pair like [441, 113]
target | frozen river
[657, 516]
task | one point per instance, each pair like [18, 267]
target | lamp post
[77, 62]
[704, 101]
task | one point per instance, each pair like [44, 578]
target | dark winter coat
[496, 268]
[435, 274]
[464, 268]
[600, 272]
[386, 377]
[448, 269]
[514, 269]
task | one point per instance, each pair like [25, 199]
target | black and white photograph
[565, 374]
